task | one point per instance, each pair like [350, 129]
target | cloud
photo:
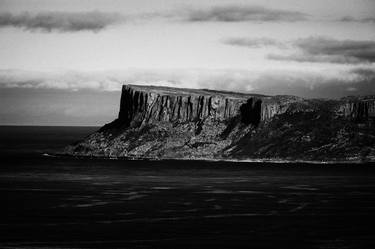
[320, 49]
[352, 19]
[238, 13]
[96, 21]
[366, 74]
[307, 82]
[61, 21]
[72, 81]
[313, 49]
[254, 42]
[305, 57]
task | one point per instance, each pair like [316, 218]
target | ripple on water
[191, 210]
[99, 203]
[217, 191]
[133, 197]
[300, 207]
[232, 215]
[168, 211]
[300, 187]
[250, 192]
[161, 188]
[223, 191]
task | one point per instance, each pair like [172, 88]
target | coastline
[248, 160]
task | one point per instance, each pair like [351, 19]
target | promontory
[173, 123]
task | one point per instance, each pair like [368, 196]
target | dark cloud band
[330, 50]
[362, 20]
[237, 13]
[254, 42]
[61, 21]
[314, 49]
[96, 21]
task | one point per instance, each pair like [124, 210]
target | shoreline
[249, 160]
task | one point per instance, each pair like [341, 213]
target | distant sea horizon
[34, 139]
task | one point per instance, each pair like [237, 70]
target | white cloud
[280, 81]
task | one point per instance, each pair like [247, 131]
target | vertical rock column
[141, 106]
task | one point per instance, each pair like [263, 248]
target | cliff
[145, 104]
[358, 108]
[163, 122]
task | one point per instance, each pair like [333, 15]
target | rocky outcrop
[144, 105]
[277, 105]
[141, 105]
[163, 122]
[358, 108]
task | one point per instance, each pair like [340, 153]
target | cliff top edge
[176, 91]
[164, 90]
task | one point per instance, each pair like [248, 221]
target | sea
[49, 201]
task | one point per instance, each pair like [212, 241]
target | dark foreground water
[70, 203]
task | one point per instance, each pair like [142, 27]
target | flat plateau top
[164, 90]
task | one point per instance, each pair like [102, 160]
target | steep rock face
[140, 105]
[162, 122]
[277, 105]
[358, 109]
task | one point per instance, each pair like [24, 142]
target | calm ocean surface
[52, 202]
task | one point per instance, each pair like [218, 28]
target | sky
[62, 62]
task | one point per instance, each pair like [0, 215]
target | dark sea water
[52, 202]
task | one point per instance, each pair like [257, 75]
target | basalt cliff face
[146, 105]
[163, 122]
